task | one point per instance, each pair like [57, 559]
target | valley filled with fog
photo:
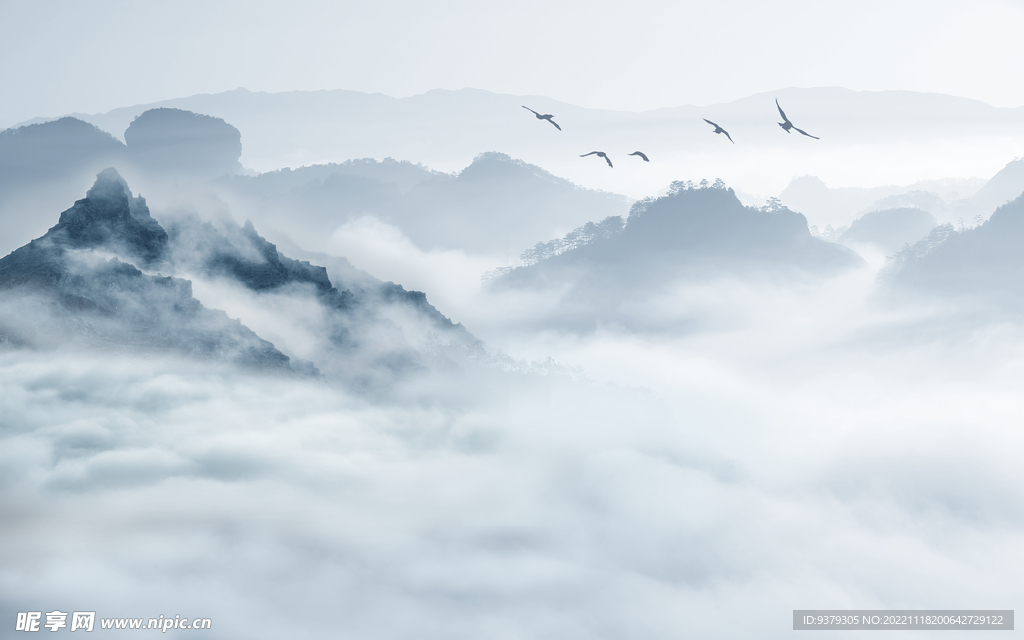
[368, 397]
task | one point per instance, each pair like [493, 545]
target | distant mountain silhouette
[986, 260]
[947, 200]
[83, 282]
[890, 229]
[308, 127]
[182, 142]
[495, 204]
[445, 129]
[53, 149]
[690, 235]
[1006, 185]
[45, 166]
[402, 175]
[839, 206]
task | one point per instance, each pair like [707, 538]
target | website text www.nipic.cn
[30, 621]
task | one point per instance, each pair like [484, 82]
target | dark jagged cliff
[89, 280]
[66, 287]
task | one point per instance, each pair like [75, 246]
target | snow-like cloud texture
[822, 450]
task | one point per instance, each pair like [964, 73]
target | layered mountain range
[867, 137]
[44, 166]
[495, 205]
[104, 269]
[947, 200]
[306, 127]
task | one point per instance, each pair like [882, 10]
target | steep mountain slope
[88, 281]
[1003, 187]
[985, 261]
[64, 287]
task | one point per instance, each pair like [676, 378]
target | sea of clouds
[805, 445]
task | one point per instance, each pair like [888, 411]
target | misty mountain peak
[110, 217]
[693, 234]
[494, 165]
[109, 186]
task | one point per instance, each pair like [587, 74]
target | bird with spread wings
[787, 125]
[546, 116]
[719, 129]
[599, 154]
[639, 153]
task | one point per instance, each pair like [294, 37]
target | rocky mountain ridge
[89, 280]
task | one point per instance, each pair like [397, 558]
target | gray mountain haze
[176, 141]
[40, 151]
[692, 234]
[948, 200]
[840, 206]
[889, 229]
[494, 205]
[985, 262]
[1003, 187]
[274, 119]
[446, 129]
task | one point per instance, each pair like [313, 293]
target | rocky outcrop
[90, 280]
[75, 292]
[110, 218]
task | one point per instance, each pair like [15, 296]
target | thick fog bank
[822, 451]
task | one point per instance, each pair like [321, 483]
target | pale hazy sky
[94, 55]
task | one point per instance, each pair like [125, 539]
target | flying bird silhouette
[719, 129]
[640, 153]
[787, 125]
[600, 154]
[546, 116]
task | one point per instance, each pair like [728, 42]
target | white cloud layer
[820, 451]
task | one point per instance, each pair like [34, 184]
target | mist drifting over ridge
[775, 433]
